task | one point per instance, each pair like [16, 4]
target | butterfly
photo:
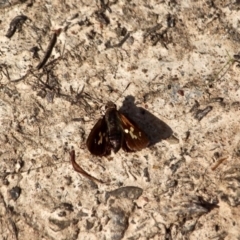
[114, 131]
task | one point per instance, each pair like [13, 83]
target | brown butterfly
[114, 131]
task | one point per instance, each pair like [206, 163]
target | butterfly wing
[98, 141]
[134, 138]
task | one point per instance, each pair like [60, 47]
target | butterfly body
[115, 131]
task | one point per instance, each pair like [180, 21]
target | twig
[49, 49]
[118, 45]
[78, 169]
[218, 163]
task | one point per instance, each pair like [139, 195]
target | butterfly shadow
[155, 129]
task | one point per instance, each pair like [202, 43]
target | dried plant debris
[149, 32]
[102, 17]
[105, 6]
[171, 21]
[218, 163]
[195, 107]
[49, 88]
[78, 169]
[201, 113]
[109, 45]
[49, 48]
[15, 24]
[231, 181]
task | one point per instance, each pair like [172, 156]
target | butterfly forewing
[134, 138]
[98, 141]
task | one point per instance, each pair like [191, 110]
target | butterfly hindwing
[134, 138]
[98, 141]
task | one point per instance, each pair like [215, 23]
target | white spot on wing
[132, 134]
[100, 138]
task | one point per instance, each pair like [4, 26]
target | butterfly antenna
[123, 91]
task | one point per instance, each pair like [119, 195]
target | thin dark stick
[78, 169]
[151, 30]
[21, 78]
[49, 49]
[118, 45]
[218, 163]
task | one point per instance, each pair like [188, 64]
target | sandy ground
[172, 67]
